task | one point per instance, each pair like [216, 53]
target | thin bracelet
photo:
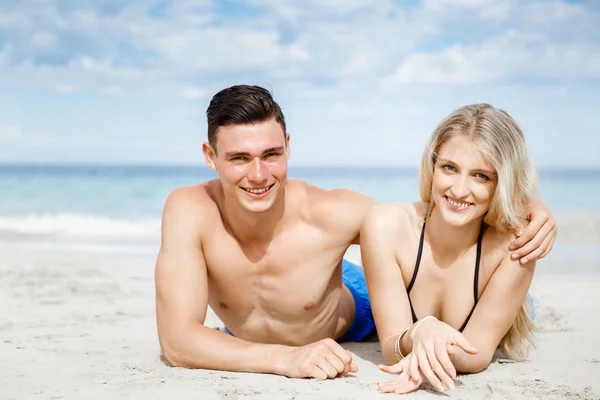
[397, 349]
[412, 334]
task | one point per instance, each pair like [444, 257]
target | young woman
[445, 291]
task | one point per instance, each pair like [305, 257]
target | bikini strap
[476, 278]
[418, 262]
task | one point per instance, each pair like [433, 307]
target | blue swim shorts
[353, 276]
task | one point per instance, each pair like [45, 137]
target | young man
[267, 255]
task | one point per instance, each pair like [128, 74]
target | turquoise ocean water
[115, 205]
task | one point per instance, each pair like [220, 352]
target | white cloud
[514, 54]
[289, 43]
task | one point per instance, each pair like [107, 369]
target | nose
[257, 172]
[460, 187]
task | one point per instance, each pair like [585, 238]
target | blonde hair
[502, 144]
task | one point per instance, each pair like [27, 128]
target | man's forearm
[206, 348]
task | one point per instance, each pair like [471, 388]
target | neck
[452, 240]
[254, 227]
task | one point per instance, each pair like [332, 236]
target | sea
[117, 208]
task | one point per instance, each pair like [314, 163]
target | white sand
[81, 326]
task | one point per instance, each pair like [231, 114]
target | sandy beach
[81, 326]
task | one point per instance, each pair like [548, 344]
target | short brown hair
[241, 104]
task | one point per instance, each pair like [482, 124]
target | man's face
[252, 163]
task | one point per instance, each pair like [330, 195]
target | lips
[258, 191]
[457, 205]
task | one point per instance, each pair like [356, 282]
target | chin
[458, 219]
[258, 206]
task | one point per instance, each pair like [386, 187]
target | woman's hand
[404, 383]
[433, 343]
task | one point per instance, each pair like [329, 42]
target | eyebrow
[482, 170]
[246, 154]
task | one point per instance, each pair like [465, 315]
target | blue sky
[360, 82]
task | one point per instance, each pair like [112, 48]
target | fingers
[536, 253]
[403, 384]
[317, 373]
[442, 352]
[426, 368]
[328, 368]
[326, 359]
[535, 246]
[413, 368]
[531, 232]
[458, 339]
[436, 366]
[545, 253]
[391, 369]
[339, 366]
[342, 355]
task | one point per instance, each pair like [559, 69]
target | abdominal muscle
[286, 314]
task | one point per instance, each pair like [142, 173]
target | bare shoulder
[334, 202]
[201, 195]
[396, 219]
[328, 205]
[186, 206]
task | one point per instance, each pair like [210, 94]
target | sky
[360, 82]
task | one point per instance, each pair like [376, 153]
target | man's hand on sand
[324, 359]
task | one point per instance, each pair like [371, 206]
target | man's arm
[537, 239]
[351, 207]
[182, 300]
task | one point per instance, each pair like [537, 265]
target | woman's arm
[495, 313]
[379, 233]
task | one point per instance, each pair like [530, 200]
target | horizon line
[292, 166]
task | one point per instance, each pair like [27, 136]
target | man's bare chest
[298, 270]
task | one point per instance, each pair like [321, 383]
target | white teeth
[457, 204]
[257, 191]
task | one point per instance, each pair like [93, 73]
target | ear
[210, 155]
[287, 145]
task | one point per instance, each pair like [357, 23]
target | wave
[82, 226]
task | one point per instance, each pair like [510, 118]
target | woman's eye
[449, 168]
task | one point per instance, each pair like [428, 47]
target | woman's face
[463, 182]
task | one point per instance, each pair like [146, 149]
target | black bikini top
[475, 280]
